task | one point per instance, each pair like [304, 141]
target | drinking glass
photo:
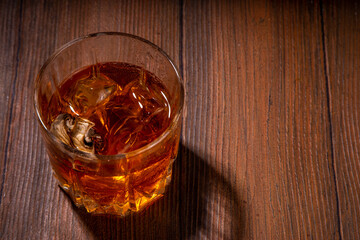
[111, 184]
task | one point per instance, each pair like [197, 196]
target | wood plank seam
[181, 73]
[181, 35]
[328, 95]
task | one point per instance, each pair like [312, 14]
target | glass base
[135, 201]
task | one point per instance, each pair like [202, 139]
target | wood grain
[342, 48]
[270, 139]
[257, 112]
[9, 62]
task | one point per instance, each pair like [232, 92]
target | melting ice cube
[61, 127]
[76, 132]
[81, 135]
[90, 92]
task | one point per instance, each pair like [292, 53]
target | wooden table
[270, 145]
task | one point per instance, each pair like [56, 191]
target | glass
[121, 183]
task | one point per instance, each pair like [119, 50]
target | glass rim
[119, 156]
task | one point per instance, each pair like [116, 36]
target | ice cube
[91, 92]
[125, 75]
[62, 126]
[149, 100]
[157, 121]
[81, 135]
[123, 142]
[76, 132]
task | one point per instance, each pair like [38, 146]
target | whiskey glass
[111, 184]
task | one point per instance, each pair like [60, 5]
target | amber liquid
[129, 108]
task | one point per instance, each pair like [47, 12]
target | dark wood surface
[270, 145]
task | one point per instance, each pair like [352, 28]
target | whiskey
[112, 109]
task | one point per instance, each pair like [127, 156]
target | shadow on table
[199, 203]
